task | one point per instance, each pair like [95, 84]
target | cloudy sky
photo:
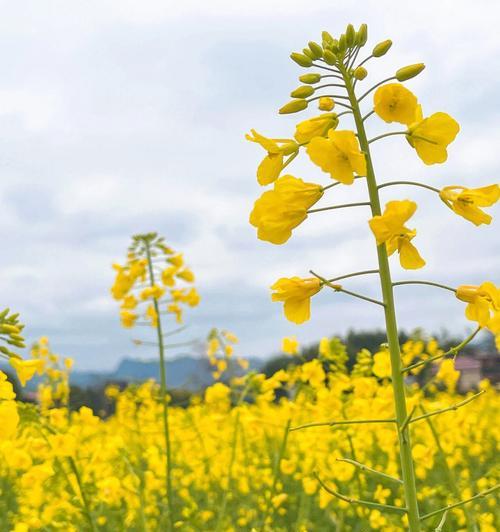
[118, 117]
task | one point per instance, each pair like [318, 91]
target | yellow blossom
[466, 202]
[389, 228]
[382, 364]
[431, 136]
[483, 301]
[296, 294]
[129, 302]
[290, 345]
[6, 388]
[9, 419]
[317, 126]
[395, 103]
[152, 292]
[167, 276]
[26, 369]
[175, 309]
[176, 260]
[186, 275]
[339, 155]
[128, 318]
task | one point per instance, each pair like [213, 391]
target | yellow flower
[213, 347]
[129, 302]
[9, 419]
[448, 374]
[167, 276]
[290, 345]
[466, 202]
[280, 210]
[230, 337]
[483, 302]
[270, 167]
[176, 260]
[430, 136]
[175, 309]
[6, 388]
[317, 126]
[26, 369]
[389, 229]
[186, 275]
[152, 315]
[313, 373]
[339, 155]
[296, 294]
[152, 292]
[326, 103]
[395, 103]
[128, 318]
[382, 364]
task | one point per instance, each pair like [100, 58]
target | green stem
[342, 422]
[364, 467]
[344, 73]
[386, 135]
[339, 182]
[414, 183]
[453, 351]
[369, 504]
[407, 467]
[428, 283]
[343, 206]
[163, 393]
[276, 472]
[86, 504]
[355, 274]
[448, 408]
[452, 480]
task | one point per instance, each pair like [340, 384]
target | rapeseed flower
[389, 229]
[395, 103]
[296, 294]
[317, 126]
[483, 301]
[466, 202]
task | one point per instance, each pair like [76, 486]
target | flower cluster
[148, 282]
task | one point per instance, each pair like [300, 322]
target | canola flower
[345, 155]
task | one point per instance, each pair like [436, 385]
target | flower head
[270, 167]
[317, 126]
[280, 210]
[483, 302]
[431, 136]
[389, 228]
[26, 369]
[466, 202]
[395, 103]
[290, 345]
[296, 294]
[339, 155]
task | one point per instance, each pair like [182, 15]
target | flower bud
[301, 59]
[310, 78]
[316, 49]
[409, 71]
[350, 36]
[308, 53]
[293, 107]
[327, 40]
[302, 92]
[360, 73]
[467, 293]
[4, 313]
[362, 35]
[342, 44]
[329, 57]
[326, 103]
[289, 148]
[382, 48]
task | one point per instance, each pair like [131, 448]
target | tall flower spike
[389, 229]
[431, 136]
[466, 202]
[296, 294]
[339, 155]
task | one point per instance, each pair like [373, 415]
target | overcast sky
[118, 117]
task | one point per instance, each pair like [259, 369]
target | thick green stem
[407, 468]
[163, 393]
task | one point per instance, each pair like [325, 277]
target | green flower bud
[310, 78]
[350, 35]
[362, 35]
[316, 49]
[4, 350]
[327, 40]
[308, 53]
[360, 73]
[289, 148]
[301, 59]
[302, 92]
[293, 107]
[342, 44]
[382, 48]
[409, 71]
[329, 57]
[4, 313]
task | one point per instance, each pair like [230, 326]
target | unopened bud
[302, 92]
[289, 148]
[382, 48]
[4, 313]
[329, 57]
[327, 39]
[316, 49]
[293, 107]
[362, 35]
[326, 103]
[350, 35]
[360, 73]
[467, 293]
[4, 350]
[310, 78]
[9, 329]
[409, 71]
[301, 59]
[342, 44]
[308, 53]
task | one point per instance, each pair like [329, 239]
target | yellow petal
[409, 257]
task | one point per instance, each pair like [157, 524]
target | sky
[121, 117]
